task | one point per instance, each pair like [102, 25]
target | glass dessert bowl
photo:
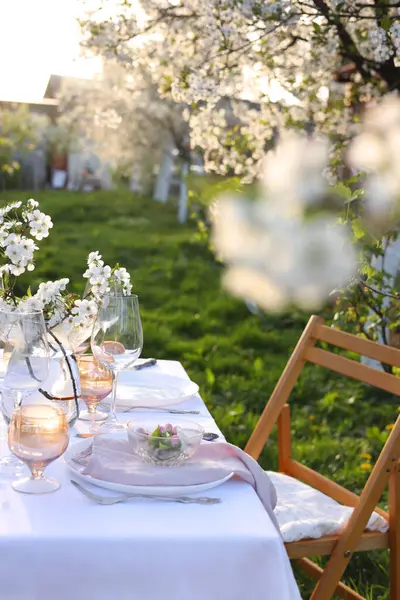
[164, 444]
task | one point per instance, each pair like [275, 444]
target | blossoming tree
[200, 52]
[128, 124]
[296, 245]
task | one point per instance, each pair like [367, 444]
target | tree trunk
[164, 177]
[183, 194]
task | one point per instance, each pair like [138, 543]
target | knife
[146, 363]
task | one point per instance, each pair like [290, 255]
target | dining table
[63, 546]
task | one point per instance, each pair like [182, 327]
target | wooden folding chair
[353, 537]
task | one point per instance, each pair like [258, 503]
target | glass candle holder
[38, 435]
[96, 384]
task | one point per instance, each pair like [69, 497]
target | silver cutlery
[208, 436]
[145, 364]
[173, 411]
[115, 499]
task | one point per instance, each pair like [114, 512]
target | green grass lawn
[234, 356]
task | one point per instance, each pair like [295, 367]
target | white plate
[159, 490]
[151, 389]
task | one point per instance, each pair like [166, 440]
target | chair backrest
[307, 351]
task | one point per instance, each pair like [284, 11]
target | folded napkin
[112, 460]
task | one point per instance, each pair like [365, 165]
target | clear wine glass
[80, 342]
[38, 435]
[117, 342]
[25, 365]
[96, 384]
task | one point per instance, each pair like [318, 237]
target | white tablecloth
[61, 546]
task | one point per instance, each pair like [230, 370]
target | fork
[208, 436]
[114, 500]
[173, 411]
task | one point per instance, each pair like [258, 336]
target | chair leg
[284, 439]
[394, 531]
[325, 589]
[342, 590]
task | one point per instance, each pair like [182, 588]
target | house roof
[47, 106]
[55, 82]
[53, 86]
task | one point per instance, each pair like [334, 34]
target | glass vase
[62, 386]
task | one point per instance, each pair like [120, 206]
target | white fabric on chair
[303, 512]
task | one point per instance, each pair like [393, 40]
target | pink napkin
[112, 460]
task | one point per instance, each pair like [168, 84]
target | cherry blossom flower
[375, 150]
[103, 279]
[276, 255]
[18, 232]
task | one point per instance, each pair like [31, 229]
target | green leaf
[368, 270]
[316, 27]
[210, 377]
[258, 365]
[386, 22]
[358, 230]
[342, 190]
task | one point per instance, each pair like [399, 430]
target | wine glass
[80, 340]
[117, 342]
[38, 435]
[25, 363]
[96, 384]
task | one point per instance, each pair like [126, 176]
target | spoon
[208, 436]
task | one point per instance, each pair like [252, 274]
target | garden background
[235, 356]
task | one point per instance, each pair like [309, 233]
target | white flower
[324, 259]
[255, 286]
[100, 289]
[379, 40]
[32, 303]
[275, 255]
[57, 316]
[289, 262]
[375, 150]
[121, 274]
[98, 273]
[84, 308]
[293, 174]
[32, 204]
[15, 270]
[102, 279]
[94, 257]
[12, 238]
[18, 249]
[50, 292]
[39, 224]
[122, 278]
[15, 252]
[7, 209]
[83, 313]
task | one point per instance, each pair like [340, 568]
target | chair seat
[304, 512]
